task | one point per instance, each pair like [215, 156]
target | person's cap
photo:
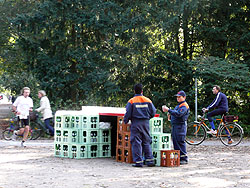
[181, 93]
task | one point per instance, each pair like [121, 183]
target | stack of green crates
[160, 140]
[78, 135]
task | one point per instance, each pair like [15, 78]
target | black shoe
[151, 165]
[136, 165]
[183, 162]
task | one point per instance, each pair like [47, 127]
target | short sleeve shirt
[23, 105]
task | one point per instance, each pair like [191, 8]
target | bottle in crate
[65, 136]
[58, 135]
[58, 150]
[119, 124]
[66, 123]
[58, 122]
[84, 124]
[65, 151]
[94, 122]
[83, 152]
[105, 136]
[128, 155]
[170, 158]
[119, 140]
[119, 154]
[74, 136]
[73, 153]
[126, 140]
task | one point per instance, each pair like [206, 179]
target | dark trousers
[48, 126]
[178, 135]
[140, 141]
[215, 113]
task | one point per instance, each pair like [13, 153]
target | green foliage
[93, 52]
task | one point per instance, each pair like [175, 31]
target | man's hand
[165, 108]
[204, 109]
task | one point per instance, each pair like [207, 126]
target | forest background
[92, 52]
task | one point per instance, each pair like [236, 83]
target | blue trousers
[140, 141]
[47, 124]
[215, 113]
[179, 132]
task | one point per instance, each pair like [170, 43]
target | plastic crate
[58, 135]
[89, 122]
[161, 141]
[105, 135]
[170, 158]
[93, 151]
[58, 149]
[74, 136]
[78, 151]
[104, 150]
[89, 136]
[156, 153]
[156, 125]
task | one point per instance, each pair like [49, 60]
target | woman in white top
[45, 110]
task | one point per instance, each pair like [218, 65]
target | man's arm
[215, 101]
[128, 113]
[178, 113]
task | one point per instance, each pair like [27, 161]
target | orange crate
[170, 158]
[119, 124]
[119, 140]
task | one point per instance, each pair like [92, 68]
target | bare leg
[26, 132]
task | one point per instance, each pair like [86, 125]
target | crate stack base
[79, 136]
[160, 141]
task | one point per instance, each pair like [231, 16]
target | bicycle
[228, 128]
[39, 127]
[14, 125]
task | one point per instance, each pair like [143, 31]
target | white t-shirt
[23, 105]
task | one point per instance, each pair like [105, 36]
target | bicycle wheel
[233, 131]
[196, 133]
[36, 131]
[7, 134]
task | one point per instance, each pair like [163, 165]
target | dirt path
[210, 165]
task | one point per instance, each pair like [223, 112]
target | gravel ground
[210, 165]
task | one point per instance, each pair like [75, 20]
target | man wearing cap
[179, 118]
[139, 110]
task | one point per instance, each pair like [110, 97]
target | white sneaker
[22, 144]
[212, 131]
[13, 137]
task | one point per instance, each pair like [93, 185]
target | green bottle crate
[90, 136]
[105, 135]
[157, 161]
[57, 149]
[93, 150]
[78, 151]
[156, 125]
[104, 150]
[161, 141]
[74, 136]
[89, 122]
[58, 135]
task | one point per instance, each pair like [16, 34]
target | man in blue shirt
[179, 118]
[139, 110]
[220, 103]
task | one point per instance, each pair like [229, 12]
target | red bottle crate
[170, 158]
